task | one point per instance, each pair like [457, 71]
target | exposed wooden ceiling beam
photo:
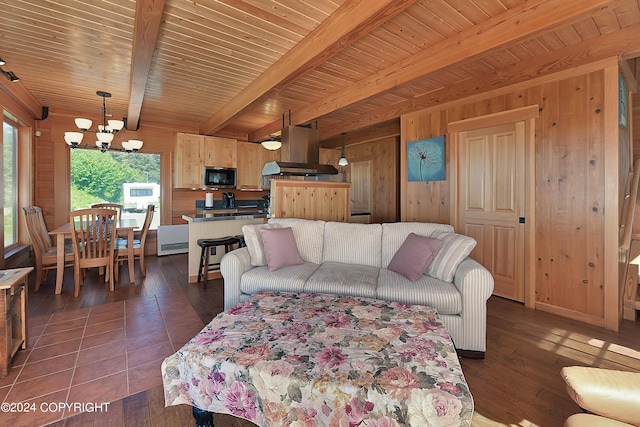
[19, 94]
[351, 21]
[147, 26]
[387, 129]
[568, 58]
[518, 23]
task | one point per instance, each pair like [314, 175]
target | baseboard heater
[173, 239]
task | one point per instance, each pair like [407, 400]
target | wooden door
[361, 186]
[492, 195]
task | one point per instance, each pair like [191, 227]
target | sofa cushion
[280, 248]
[344, 279]
[427, 290]
[394, 234]
[414, 256]
[455, 248]
[253, 240]
[309, 235]
[352, 243]
[287, 279]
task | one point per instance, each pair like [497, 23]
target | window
[129, 179]
[10, 175]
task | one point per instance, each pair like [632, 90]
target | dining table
[124, 226]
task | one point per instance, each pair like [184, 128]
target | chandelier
[104, 134]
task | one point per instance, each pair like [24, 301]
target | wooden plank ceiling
[234, 67]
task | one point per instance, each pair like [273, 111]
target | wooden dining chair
[105, 205]
[45, 253]
[138, 245]
[93, 232]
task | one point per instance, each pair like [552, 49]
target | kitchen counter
[213, 224]
[205, 215]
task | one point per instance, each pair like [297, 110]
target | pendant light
[343, 160]
[105, 132]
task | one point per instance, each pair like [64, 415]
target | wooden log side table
[13, 315]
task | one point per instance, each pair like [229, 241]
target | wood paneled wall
[319, 200]
[385, 177]
[385, 184]
[571, 181]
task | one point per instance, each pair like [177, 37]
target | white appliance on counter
[173, 239]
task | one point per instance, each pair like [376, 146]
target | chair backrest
[115, 206]
[93, 232]
[31, 214]
[146, 225]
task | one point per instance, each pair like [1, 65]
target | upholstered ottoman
[283, 357]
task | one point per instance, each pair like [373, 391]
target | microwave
[220, 177]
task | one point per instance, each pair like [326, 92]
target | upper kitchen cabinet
[220, 152]
[194, 152]
[189, 161]
[251, 160]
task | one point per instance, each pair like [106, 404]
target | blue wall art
[425, 159]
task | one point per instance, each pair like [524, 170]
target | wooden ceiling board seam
[387, 52]
[408, 35]
[445, 12]
[289, 12]
[232, 25]
[469, 10]
[13, 26]
[606, 22]
[392, 39]
[216, 36]
[551, 41]
[260, 13]
[194, 65]
[535, 46]
[520, 52]
[629, 14]
[50, 13]
[587, 29]
[568, 35]
[492, 7]
[181, 50]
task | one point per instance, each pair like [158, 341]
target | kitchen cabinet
[251, 160]
[221, 152]
[194, 152]
[189, 161]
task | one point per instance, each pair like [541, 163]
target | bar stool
[206, 244]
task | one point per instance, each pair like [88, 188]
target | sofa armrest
[232, 266]
[473, 280]
[609, 393]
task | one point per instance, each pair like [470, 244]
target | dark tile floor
[95, 354]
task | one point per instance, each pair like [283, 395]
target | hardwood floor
[517, 384]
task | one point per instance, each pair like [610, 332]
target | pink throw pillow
[414, 256]
[280, 248]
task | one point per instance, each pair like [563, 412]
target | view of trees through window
[9, 173]
[129, 179]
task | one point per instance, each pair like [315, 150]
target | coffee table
[318, 359]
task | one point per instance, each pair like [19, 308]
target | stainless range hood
[300, 154]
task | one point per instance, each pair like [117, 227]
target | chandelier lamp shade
[104, 134]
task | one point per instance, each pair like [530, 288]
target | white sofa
[351, 259]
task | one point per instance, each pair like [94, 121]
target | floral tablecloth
[282, 359]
